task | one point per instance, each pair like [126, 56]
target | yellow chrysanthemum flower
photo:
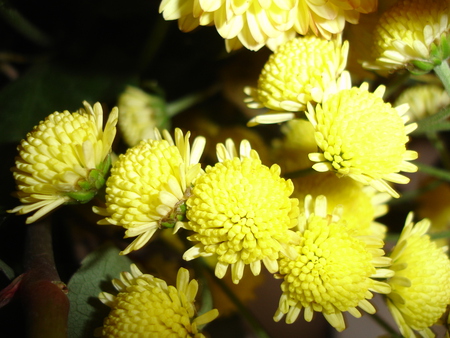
[406, 33]
[256, 23]
[149, 185]
[361, 136]
[421, 285]
[297, 73]
[241, 211]
[361, 204]
[63, 160]
[334, 270]
[139, 114]
[147, 307]
[342, 82]
[424, 100]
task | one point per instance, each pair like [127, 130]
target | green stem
[259, 331]
[443, 72]
[43, 294]
[23, 26]
[175, 107]
[432, 171]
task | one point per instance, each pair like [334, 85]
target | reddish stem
[43, 293]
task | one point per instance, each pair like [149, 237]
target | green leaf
[7, 270]
[94, 276]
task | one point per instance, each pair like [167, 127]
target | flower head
[361, 204]
[149, 185]
[297, 73]
[424, 100]
[241, 211]
[139, 114]
[334, 270]
[410, 35]
[361, 136]
[256, 23]
[63, 160]
[146, 305]
[421, 284]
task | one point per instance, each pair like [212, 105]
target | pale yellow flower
[256, 23]
[361, 136]
[147, 307]
[421, 285]
[297, 73]
[424, 100]
[64, 159]
[149, 185]
[241, 211]
[272, 116]
[140, 113]
[405, 35]
[334, 271]
[361, 204]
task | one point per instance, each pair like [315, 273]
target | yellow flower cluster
[421, 285]
[256, 23]
[361, 136]
[407, 34]
[64, 159]
[149, 185]
[333, 271]
[147, 307]
[241, 211]
[297, 73]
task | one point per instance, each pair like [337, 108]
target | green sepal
[421, 67]
[178, 214]
[96, 180]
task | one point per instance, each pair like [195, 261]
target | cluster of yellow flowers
[317, 233]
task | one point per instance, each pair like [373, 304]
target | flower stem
[254, 323]
[175, 107]
[43, 294]
[443, 72]
[432, 171]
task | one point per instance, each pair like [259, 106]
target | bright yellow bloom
[361, 136]
[342, 82]
[241, 211]
[361, 204]
[149, 185]
[406, 32]
[334, 270]
[421, 285]
[424, 100]
[139, 114]
[147, 307]
[297, 73]
[256, 23]
[63, 160]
